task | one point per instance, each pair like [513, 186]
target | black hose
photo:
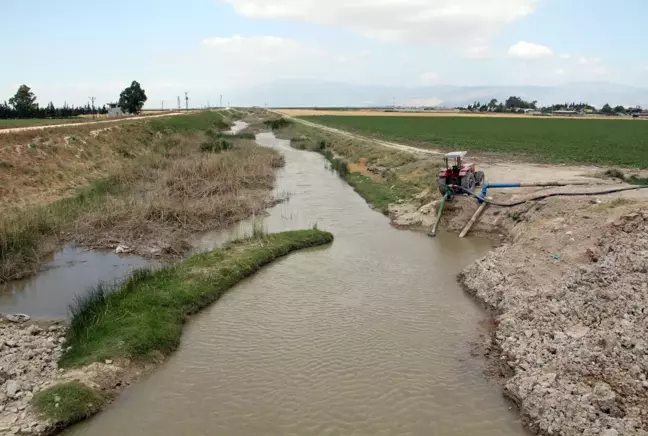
[543, 196]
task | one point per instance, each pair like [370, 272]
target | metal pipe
[525, 185]
[438, 219]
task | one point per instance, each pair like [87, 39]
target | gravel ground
[572, 328]
[28, 356]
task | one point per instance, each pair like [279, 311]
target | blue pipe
[481, 198]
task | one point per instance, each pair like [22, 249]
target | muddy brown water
[71, 272]
[369, 336]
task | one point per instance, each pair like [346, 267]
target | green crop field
[29, 122]
[596, 141]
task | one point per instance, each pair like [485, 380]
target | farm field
[28, 122]
[593, 141]
[381, 113]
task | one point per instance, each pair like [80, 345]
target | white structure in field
[114, 110]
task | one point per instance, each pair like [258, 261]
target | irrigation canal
[370, 336]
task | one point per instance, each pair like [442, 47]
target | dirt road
[90, 123]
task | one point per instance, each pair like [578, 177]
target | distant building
[565, 112]
[114, 110]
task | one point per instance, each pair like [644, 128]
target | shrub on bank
[216, 145]
[278, 123]
[68, 403]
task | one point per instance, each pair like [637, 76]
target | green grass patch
[192, 122]
[68, 403]
[145, 314]
[596, 141]
[379, 195]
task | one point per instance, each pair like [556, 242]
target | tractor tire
[468, 182]
[443, 187]
[480, 178]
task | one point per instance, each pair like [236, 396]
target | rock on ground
[571, 334]
[28, 356]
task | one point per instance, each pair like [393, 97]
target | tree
[492, 104]
[24, 102]
[619, 110]
[132, 99]
[607, 109]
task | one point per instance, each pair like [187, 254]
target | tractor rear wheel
[443, 186]
[468, 182]
[480, 177]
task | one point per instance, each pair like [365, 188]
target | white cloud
[238, 43]
[559, 72]
[254, 51]
[529, 50]
[565, 56]
[479, 52]
[589, 61]
[411, 21]
[429, 78]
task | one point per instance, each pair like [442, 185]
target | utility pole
[208, 105]
[394, 102]
[178, 102]
[221, 101]
[187, 101]
[162, 105]
[92, 99]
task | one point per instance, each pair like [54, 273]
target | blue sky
[72, 49]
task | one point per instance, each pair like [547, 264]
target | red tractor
[459, 173]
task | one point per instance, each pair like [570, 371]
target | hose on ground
[543, 196]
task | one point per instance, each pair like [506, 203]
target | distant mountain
[314, 93]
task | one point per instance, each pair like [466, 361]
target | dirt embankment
[568, 291]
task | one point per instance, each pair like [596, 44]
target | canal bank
[372, 335]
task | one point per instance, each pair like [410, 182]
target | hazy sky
[72, 49]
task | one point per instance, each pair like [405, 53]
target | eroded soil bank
[570, 332]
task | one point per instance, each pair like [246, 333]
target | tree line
[24, 105]
[519, 105]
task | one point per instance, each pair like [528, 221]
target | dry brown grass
[134, 184]
[190, 194]
[38, 167]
